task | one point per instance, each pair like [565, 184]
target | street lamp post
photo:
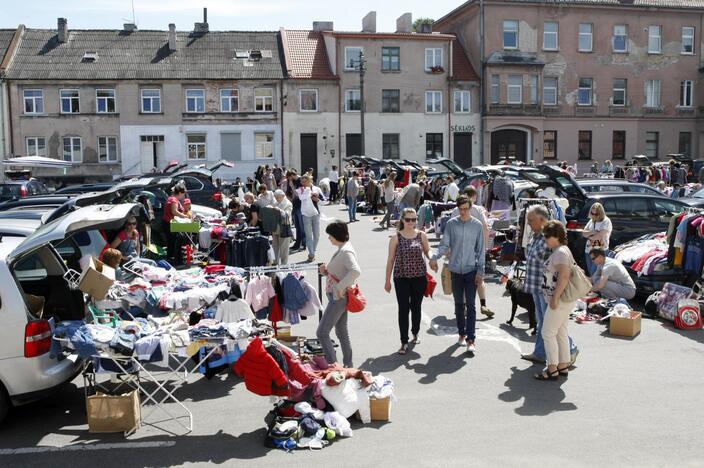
[361, 98]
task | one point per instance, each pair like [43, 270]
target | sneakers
[487, 311]
[470, 347]
[462, 341]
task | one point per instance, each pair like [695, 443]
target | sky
[253, 15]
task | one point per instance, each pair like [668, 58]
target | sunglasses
[410, 220]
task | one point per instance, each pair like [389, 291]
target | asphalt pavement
[629, 401]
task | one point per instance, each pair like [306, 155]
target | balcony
[685, 111]
[515, 109]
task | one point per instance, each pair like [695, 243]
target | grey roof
[144, 55]
[514, 58]
[5, 39]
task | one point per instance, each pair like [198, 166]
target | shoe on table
[487, 311]
[462, 341]
[470, 347]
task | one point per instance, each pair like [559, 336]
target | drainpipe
[483, 82]
[281, 107]
[340, 105]
[449, 106]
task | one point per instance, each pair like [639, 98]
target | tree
[418, 22]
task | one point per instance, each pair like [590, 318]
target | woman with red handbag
[342, 272]
[408, 250]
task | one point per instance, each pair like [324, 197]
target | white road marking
[86, 447]
[484, 332]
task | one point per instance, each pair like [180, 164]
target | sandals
[564, 371]
[403, 350]
[547, 375]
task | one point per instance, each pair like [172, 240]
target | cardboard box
[380, 409]
[625, 326]
[36, 304]
[96, 279]
[113, 413]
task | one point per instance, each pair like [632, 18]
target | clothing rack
[291, 268]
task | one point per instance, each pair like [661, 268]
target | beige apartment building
[586, 80]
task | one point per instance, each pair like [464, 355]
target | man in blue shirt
[464, 240]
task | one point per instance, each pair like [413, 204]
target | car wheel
[4, 403]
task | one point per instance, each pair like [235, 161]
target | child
[187, 207]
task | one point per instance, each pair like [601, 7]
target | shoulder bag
[578, 286]
[356, 301]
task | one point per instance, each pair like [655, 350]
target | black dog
[523, 299]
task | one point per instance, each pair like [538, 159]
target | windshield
[699, 194]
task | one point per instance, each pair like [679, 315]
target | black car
[200, 188]
[695, 200]
[84, 188]
[616, 186]
[16, 189]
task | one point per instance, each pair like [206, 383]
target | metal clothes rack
[291, 268]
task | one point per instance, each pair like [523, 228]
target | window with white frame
[105, 101]
[433, 59]
[151, 101]
[620, 92]
[195, 100]
[688, 40]
[515, 89]
[308, 100]
[33, 101]
[433, 102]
[686, 90]
[264, 145]
[70, 101]
[73, 149]
[495, 89]
[263, 100]
[550, 35]
[36, 146]
[654, 39]
[586, 37]
[652, 93]
[229, 100]
[510, 34]
[107, 149]
[533, 89]
[462, 102]
[353, 100]
[620, 41]
[550, 91]
[584, 93]
[195, 145]
[352, 57]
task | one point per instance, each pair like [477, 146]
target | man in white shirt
[452, 191]
[334, 184]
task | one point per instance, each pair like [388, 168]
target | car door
[663, 210]
[630, 217]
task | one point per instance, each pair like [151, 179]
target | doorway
[353, 144]
[152, 153]
[508, 145]
[309, 153]
[462, 150]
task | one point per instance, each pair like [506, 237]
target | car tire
[4, 403]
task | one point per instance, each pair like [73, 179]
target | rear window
[9, 191]
[30, 268]
[607, 188]
[628, 208]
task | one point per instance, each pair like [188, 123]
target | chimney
[404, 24]
[62, 34]
[426, 28]
[129, 27]
[172, 37]
[322, 26]
[202, 28]
[369, 22]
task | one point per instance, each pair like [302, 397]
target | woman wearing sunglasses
[407, 253]
[598, 232]
[127, 240]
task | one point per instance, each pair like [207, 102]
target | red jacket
[261, 374]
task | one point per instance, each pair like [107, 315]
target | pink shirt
[259, 292]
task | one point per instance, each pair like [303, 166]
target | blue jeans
[352, 208]
[464, 291]
[311, 225]
[298, 224]
[591, 267]
[541, 306]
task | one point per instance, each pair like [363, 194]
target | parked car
[32, 266]
[695, 199]
[16, 189]
[84, 188]
[616, 185]
[40, 202]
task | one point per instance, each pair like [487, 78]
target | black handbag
[286, 230]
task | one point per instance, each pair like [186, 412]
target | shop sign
[462, 128]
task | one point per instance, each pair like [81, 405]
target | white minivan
[32, 266]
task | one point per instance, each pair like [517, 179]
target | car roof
[20, 226]
[7, 246]
[627, 195]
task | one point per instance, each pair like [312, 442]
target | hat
[187, 201]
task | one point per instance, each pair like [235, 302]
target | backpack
[688, 316]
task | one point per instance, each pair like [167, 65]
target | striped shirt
[536, 254]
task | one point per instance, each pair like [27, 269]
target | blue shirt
[465, 242]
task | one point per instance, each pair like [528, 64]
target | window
[433, 59]
[390, 146]
[510, 34]
[390, 58]
[550, 91]
[534, 89]
[495, 89]
[685, 143]
[433, 102]
[666, 208]
[195, 100]
[628, 208]
[549, 144]
[586, 39]
[620, 38]
[584, 150]
[433, 145]
[151, 101]
[352, 57]
[584, 95]
[462, 102]
[195, 145]
[107, 149]
[36, 146]
[229, 100]
[73, 149]
[652, 143]
[619, 97]
[654, 39]
[105, 101]
[263, 100]
[33, 101]
[550, 34]
[688, 41]
[515, 89]
[309, 100]
[618, 145]
[264, 145]
[686, 89]
[70, 101]
[390, 100]
[652, 93]
[353, 100]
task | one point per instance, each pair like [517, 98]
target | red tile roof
[306, 55]
[462, 70]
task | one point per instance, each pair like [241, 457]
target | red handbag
[356, 302]
[430, 287]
